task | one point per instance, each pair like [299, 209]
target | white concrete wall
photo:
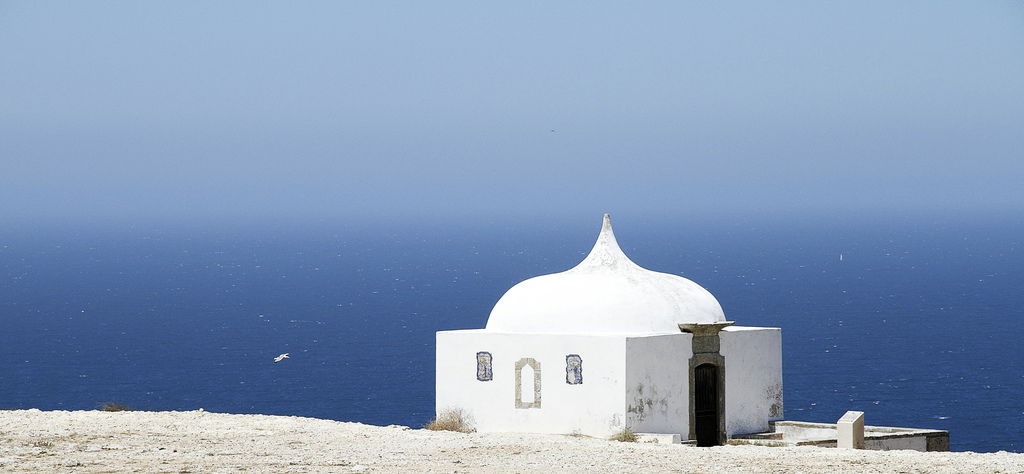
[795, 430]
[916, 443]
[596, 407]
[753, 378]
[657, 383]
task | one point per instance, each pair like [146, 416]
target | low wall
[879, 438]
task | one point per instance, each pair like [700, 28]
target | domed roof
[605, 294]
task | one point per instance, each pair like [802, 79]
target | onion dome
[605, 294]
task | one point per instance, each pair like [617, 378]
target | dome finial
[606, 251]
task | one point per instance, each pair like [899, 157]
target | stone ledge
[659, 438]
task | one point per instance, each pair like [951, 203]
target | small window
[573, 369]
[483, 366]
[527, 381]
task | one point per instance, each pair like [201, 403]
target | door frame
[719, 362]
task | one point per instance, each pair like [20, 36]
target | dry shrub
[626, 436]
[451, 419]
[114, 406]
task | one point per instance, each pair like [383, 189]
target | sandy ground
[93, 441]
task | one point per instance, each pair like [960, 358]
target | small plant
[626, 436]
[114, 406]
[451, 419]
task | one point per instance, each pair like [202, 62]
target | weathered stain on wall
[639, 408]
[774, 395]
[643, 406]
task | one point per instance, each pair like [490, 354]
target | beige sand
[92, 441]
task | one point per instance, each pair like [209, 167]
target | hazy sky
[332, 108]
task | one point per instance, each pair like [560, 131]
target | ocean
[916, 320]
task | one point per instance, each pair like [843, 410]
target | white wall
[657, 383]
[916, 443]
[753, 378]
[798, 430]
[596, 407]
[640, 382]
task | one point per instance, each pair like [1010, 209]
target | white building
[609, 345]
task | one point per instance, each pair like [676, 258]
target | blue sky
[322, 109]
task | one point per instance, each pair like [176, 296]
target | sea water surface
[915, 320]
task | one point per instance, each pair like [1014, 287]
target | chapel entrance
[705, 404]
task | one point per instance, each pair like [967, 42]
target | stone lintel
[706, 344]
[704, 329]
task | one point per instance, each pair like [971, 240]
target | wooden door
[705, 404]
